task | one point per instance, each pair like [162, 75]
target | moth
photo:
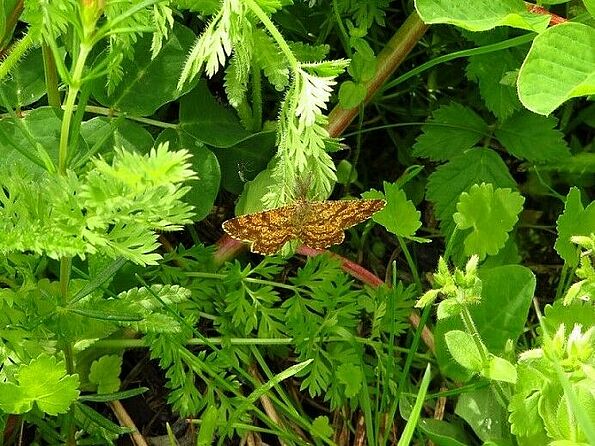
[317, 224]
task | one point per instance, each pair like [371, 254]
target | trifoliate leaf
[351, 376]
[559, 66]
[452, 129]
[491, 213]
[489, 71]
[399, 215]
[532, 137]
[321, 427]
[457, 176]
[43, 381]
[105, 372]
[576, 220]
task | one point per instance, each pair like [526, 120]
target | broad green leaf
[205, 188]
[507, 293]
[44, 382]
[26, 83]
[560, 65]
[40, 140]
[499, 369]
[148, 83]
[482, 15]
[452, 129]
[463, 350]
[351, 376]
[211, 122]
[447, 183]
[590, 5]
[443, 433]
[532, 137]
[251, 199]
[105, 373]
[399, 215]
[489, 70]
[351, 94]
[575, 220]
[321, 427]
[104, 134]
[482, 411]
[491, 214]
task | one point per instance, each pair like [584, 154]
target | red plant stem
[554, 19]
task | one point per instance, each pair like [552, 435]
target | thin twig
[125, 420]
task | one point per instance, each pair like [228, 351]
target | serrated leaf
[148, 83]
[321, 427]
[533, 137]
[450, 131]
[483, 15]
[575, 220]
[44, 382]
[448, 181]
[491, 213]
[399, 216]
[351, 376]
[489, 71]
[105, 373]
[560, 65]
[268, 56]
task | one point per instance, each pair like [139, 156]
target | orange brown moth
[317, 224]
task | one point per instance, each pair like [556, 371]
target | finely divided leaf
[576, 220]
[532, 137]
[268, 56]
[43, 381]
[448, 181]
[559, 66]
[491, 213]
[452, 129]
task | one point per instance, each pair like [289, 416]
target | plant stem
[411, 263]
[69, 106]
[51, 76]
[256, 98]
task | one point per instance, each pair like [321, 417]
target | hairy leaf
[575, 220]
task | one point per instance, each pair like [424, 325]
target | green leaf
[575, 220]
[451, 179]
[491, 213]
[533, 137]
[105, 372]
[444, 433]
[321, 427]
[452, 129]
[268, 56]
[26, 83]
[208, 426]
[351, 376]
[507, 293]
[484, 15]
[205, 187]
[499, 369]
[363, 65]
[149, 83]
[560, 65]
[399, 216]
[489, 70]
[351, 94]
[106, 133]
[43, 381]
[414, 417]
[479, 406]
[463, 350]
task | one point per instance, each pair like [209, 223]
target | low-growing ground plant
[460, 313]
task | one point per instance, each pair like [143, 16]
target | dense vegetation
[461, 313]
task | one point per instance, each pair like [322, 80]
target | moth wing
[265, 231]
[326, 221]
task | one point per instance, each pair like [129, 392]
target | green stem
[51, 76]
[411, 263]
[70, 105]
[17, 51]
[256, 98]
